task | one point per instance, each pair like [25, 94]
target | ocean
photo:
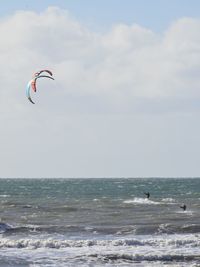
[100, 222]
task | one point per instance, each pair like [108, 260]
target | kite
[32, 83]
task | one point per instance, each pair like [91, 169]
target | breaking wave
[147, 258]
[144, 201]
[175, 242]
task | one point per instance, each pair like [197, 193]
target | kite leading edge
[33, 82]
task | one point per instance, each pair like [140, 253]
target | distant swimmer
[147, 194]
[183, 207]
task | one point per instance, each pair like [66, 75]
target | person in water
[183, 207]
[147, 194]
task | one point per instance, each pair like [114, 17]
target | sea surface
[99, 222]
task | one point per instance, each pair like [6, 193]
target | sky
[126, 97]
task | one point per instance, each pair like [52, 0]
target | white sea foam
[97, 253]
[159, 242]
[177, 250]
[186, 212]
[143, 201]
[169, 200]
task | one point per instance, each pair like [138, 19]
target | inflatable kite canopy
[32, 84]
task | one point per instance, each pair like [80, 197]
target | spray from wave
[142, 201]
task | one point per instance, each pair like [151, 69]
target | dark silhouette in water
[147, 194]
[183, 207]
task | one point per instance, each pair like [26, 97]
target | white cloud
[128, 79]
[127, 62]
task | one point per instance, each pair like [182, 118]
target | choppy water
[99, 222]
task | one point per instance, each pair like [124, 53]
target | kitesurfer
[147, 194]
[183, 207]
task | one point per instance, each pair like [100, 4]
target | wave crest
[192, 241]
[144, 201]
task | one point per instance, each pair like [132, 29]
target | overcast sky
[126, 97]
